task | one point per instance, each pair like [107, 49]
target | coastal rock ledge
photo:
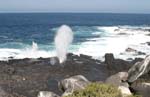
[41, 78]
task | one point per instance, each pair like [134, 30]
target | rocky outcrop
[26, 77]
[47, 94]
[119, 81]
[135, 51]
[141, 88]
[29, 76]
[116, 65]
[139, 69]
[69, 85]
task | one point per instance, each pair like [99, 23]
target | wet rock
[47, 94]
[116, 65]
[148, 43]
[69, 85]
[139, 69]
[85, 56]
[141, 53]
[130, 50]
[122, 34]
[135, 51]
[117, 29]
[70, 55]
[141, 88]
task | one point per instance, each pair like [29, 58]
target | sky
[106, 6]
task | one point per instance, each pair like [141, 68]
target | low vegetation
[98, 90]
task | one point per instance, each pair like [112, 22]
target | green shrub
[97, 90]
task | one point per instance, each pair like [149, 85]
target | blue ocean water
[19, 30]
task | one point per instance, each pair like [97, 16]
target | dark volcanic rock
[130, 50]
[116, 65]
[26, 77]
[135, 51]
[148, 43]
[85, 56]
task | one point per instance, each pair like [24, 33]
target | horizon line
[70, 12]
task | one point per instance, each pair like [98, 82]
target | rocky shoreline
[27, 77]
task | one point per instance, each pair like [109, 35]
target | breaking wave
[90, 40]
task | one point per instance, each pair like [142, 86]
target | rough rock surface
[116, 65]
[141, 88]
[69, 85]
[119, 81]
[26, 77]
[139, 69]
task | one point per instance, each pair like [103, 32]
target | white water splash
[63, 39]
[34, 47]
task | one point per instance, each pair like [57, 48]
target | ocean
[31, 35]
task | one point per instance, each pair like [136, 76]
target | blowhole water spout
[63, 39]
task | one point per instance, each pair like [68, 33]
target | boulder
[69, 85]
[116, 65]
[139, 69]
[141, 88]
[47, 94]
[125, 91]
[119, 81]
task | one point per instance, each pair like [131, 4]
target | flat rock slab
[27, 77]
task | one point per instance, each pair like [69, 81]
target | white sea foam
[117, 40]
[111, 40]
[32, 52]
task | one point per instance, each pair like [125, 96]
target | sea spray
[33, 52]
[34, 46]
[63, 39]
